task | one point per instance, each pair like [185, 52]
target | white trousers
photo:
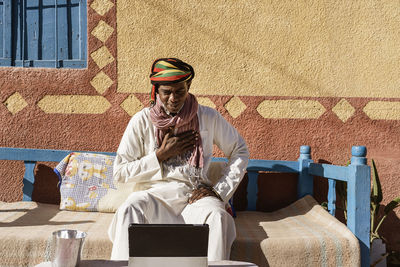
[167, 203]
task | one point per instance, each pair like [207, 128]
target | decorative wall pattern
[102, 6]
[74, 104]
[292, 109]
[382, 110]
[128, 72]
[343, 109]
[268, 109]
[15, 103]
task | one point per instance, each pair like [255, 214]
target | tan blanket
[25, 236]
[302, 234]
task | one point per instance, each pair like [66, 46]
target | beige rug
[302, 234]
[26, 228]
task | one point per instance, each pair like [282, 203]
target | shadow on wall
[392, 237]
[276, 191]
[45, 189]
[245, 51]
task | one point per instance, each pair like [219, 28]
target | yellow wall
[266, 48]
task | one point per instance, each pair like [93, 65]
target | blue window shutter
[51, 33]
[72, 33]
[33, 41]
[5, 33]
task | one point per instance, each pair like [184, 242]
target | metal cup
[66, 248]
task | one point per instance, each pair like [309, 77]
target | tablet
[177, 245]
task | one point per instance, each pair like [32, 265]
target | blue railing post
[332, 196]
[358, 191]
[305, 183]
[29, 180]
[252, 190]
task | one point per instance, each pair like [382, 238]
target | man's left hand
[201, 192]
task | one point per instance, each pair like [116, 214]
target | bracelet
[212, 189]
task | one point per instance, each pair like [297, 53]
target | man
[167, 149]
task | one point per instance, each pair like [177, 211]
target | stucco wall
[285, 73]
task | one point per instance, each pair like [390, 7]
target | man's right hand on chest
[178, 144]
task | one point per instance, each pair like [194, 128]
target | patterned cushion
[86, 182]
[86, 179]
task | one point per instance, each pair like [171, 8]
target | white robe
[165, 191]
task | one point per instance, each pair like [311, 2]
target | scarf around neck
[186, 119]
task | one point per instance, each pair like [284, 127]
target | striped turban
[167, 71]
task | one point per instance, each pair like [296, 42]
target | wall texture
[285, 73]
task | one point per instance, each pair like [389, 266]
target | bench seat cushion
[302, 234]
[26, 230]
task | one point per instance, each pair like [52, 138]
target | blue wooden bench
[357, 176]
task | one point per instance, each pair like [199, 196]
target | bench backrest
[357, 176]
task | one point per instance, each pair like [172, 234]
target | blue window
[43, 33]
